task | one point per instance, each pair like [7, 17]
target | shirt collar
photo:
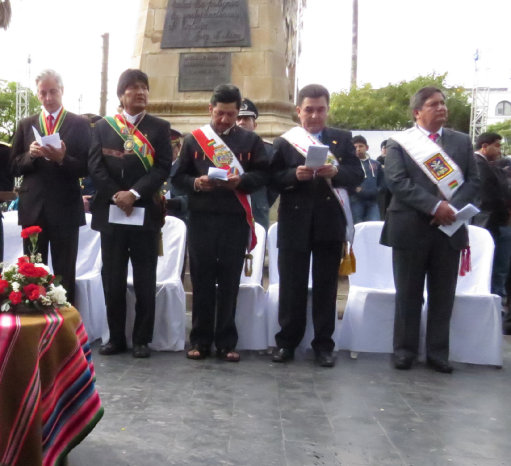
[131, 118]
[427, 133]
[480, 155]
[54, 114]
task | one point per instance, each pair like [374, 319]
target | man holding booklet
[129, 160]
[311, 166]
[219, 165]
[432, 174]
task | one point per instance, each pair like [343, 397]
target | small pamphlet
[217, 173]
[117, 215]
[316, 156]
[50, 140]
[462, 216]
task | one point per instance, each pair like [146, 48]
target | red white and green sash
[142, 147]
[222, 157]
[43, 122]
[432, 160]
[301, 139]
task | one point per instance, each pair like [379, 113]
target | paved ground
[171, 411]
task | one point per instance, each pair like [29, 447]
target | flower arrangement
[29, 284]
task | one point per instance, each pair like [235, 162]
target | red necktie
[434, 137]
[51, 123]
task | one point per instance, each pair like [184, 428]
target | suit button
[328, 198]
[296, 207]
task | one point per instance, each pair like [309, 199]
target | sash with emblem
[432, 160]
[222, 157]
[133, 139]
[300, 139]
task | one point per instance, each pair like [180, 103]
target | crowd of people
[222, 177]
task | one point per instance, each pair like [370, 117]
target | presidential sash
[141, 145]
[300, 139]
[43, 123]
[222, 157]
[432, 160]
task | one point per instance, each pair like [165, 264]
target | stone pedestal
[259, 70]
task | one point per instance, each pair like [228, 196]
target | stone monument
[189, 46]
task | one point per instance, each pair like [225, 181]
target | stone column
[259, 70]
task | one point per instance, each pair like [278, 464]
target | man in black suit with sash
[49, 195]
[435, 173]
[311, 221]
[129, 160]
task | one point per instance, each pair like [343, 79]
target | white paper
[117, 215]
[462, 216]
[316, 156]
[50, 140]
[217, 173]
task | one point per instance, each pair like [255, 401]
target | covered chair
[251, 321]
[13, 243]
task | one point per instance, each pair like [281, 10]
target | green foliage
[8, 109]
[387, 108]
[504, 129]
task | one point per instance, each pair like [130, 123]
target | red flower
[15, 297]
[29, 231]
[23, 259]
[33, 292]
[30, 270]
[4, 286]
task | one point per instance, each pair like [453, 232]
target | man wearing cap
[129, 160]
[263, 198]
[49, 195]
[219, 166]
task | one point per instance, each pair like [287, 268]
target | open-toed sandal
[228, 355]
[197, 352]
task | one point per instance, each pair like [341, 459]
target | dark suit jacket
[414, 196]
[50, 190]
[122, 172]
[308, 211]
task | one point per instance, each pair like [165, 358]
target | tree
[387, 108]
[8, 109]
[504, 129]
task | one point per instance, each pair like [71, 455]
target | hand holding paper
[462, 216]
[316, 156]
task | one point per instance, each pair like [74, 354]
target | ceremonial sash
[222, 157]
[141, 145]
[300, 139]
[43, 124]
[432, 160]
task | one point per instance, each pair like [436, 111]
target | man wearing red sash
[49, 195]
[312, 222]
[220, 225]
[129, 160]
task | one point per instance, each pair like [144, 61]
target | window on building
[503, 108]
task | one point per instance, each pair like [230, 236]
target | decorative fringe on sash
[248, 265]
[348, 262]
[160, 244]
[465, 266]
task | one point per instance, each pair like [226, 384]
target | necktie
[51, 123]
[434, 137]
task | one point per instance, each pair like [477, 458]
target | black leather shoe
[440, 365]
[141, 351]
[111, 348]
[325, 359]
[403, 363]
[283, 355]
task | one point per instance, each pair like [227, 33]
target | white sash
[432, 160]
[300, 139]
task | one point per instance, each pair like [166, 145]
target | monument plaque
[203, 71]
[206, 23]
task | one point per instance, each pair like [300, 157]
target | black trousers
[439, 262]
[293, 288]
[216, 246]
[63, 244]
[117, 247]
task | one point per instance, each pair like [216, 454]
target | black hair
[487, 138]
[130, 77]
[226, 93]
[313, 91]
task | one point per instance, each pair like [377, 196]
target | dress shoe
[325, 359]
[283, 355]
[403, 363]
[111, 348]
[440, 365]
[141, 351]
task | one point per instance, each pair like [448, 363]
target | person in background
[176, 200]
[384, 195]
[6, 187]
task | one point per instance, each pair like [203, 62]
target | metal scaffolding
[479, 111]
[22, 96]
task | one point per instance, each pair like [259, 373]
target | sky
[398, 40]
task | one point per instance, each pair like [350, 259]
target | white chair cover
[368, 322]
[272, 297]
[170, 312]
[13, 244]
[251, 321]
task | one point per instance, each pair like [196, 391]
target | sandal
[197, 352]
[228, 355]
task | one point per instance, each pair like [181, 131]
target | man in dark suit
[418, 207]
[49, 195]
[311, 220]
[129, 160]
[6, 187]
[220, 224]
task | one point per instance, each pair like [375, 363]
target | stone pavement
[168, 410]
